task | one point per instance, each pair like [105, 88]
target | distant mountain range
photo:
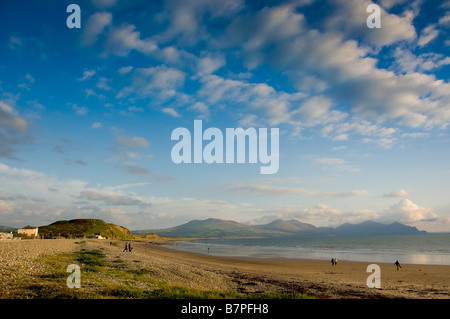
[7, 229]
[219, 228]
[216, 228]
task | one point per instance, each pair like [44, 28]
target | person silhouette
[126, 247]
[398, 265]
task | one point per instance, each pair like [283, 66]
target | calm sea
[408, 249]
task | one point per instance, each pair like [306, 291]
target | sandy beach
[318, 278]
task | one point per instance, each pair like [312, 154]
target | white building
[28, 231]
[6, 236]
[97, 236]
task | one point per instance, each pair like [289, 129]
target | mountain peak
[372, 228]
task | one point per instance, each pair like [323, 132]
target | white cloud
[133, 142]
[388, 4]
[275, 107]
[87, 74]
[125, 70]
[159, 82]
[170, 111]
[121, 40]
[15, 42]
[79, 110]
[274, 190]
[406, 61]
[10, 119]
[96, 125]
[349, 17]
[210, 64]
[104, 3]
[335, 164]
[427, 35]
[318, 215]
[103, 84]
[90, 92]
[34, 198]
[114, 199]
[29, 78]
[344, 70]
[31, 197]
[6, 207]
[405, 212]
[445, 20]
[399, 193]
[331, 63]
[134, 169]
[95, 25]
[271, 190]
[317, 110]
[329, 161]
[13, 129]
[268, 27]
[408, 213]
[185, 18]
[201, 108]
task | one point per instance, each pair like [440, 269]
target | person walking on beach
[126, 247]
[332, 261]
[398, 265]
[335, 261]
[129, 247]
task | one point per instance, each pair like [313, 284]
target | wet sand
[313, 277]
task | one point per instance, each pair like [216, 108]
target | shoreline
[385, 257]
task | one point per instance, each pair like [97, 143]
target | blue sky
[86, 114]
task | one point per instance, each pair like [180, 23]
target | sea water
[433, 249]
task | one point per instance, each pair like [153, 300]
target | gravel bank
[17, 253]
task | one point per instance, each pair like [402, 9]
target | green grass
[111, 280]
[85, 227]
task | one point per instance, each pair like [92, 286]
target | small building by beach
[4, 235]
[97, 236]
[28, 231]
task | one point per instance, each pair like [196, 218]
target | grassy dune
[86, 227]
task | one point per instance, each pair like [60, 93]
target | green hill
[86, 227]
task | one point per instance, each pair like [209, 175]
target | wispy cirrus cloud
[276, 191]
[133, 142]
[13, 130]
[399, 193]
[334, 163]
[113, 199]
